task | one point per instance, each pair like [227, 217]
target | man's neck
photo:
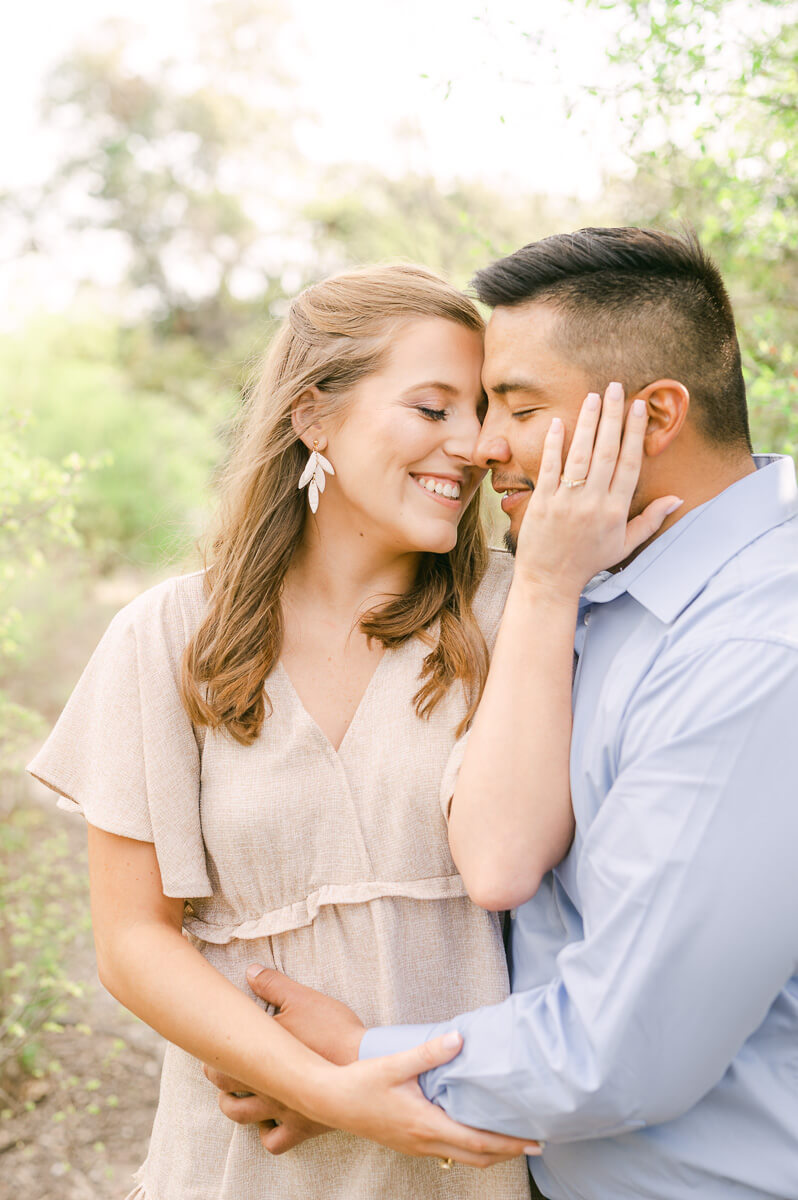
[699, 481]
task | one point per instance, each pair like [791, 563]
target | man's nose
[492, 447]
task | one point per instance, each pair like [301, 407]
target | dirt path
[82, 1130]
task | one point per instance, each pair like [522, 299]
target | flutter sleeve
[124, 752]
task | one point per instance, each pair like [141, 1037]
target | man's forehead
[513, 335]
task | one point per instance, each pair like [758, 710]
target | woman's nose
[463, 438]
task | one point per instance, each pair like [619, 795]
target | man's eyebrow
[517, 385]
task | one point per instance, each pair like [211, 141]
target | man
[652, 1036]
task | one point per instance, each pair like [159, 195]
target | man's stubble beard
[510, 542]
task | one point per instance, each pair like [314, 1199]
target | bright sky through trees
[455, 87]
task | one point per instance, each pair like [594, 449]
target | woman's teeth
[450, 490]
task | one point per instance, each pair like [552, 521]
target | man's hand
[325, 1025]
[280, 1128]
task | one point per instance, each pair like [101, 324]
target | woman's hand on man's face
[577, 520]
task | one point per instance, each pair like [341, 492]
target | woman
[258, 749]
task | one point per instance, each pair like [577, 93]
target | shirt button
[587, 617]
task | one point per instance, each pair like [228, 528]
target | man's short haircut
[636, 305]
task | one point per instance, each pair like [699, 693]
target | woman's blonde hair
[337, 332]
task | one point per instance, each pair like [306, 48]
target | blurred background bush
[146, 263]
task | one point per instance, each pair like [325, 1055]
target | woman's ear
[667, 404]
[302, 419]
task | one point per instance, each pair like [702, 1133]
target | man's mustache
[500, 483]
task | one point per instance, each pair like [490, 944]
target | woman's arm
[146, 963]
[511, 817]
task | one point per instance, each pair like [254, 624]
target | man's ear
[303, 416]
[667, 404]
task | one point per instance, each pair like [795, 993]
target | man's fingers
[248, 1110]
[283, 1137]
[644, 526]
[410, 1063]
[225, 1083]
[270, 985]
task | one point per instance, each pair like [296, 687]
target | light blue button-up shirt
[652, 1034]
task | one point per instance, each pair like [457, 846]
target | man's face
[527, 382]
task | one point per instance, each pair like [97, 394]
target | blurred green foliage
[708, 90]
[37, 512]
[111, 398]
[43, 909]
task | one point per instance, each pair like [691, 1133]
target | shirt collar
[671, 572]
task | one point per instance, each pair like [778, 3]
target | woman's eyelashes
[522, 413]
[432, 414]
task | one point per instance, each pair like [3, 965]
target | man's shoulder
[755, 594]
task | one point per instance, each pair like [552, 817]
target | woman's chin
[438, 540]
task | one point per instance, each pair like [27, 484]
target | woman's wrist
[551, 592]
[320, 1095]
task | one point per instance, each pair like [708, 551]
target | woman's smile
[443, 488]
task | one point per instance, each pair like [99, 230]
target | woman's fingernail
[615, 391]
[672, 508]
[592, 401]
[451, 1040]
[639, 408]
[556, 425]
[535, 1149]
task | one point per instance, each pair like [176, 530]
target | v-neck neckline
[361, 704]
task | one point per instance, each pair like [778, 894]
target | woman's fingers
[630, 457]
[607, 439]
[442, 1135]
[580, 452]
[644, 526]
[551, 460]
[409, 1064]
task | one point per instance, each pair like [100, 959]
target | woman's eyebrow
[432, 383]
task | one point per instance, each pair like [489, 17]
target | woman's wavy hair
[337, 332]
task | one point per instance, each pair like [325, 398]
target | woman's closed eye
[432, 414]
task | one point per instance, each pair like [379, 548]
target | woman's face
[403, 452]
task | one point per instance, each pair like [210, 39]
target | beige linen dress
[333, 867]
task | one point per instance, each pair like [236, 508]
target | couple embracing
[317, 773]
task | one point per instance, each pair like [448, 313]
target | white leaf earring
[313, 476]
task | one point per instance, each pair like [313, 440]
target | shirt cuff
[392, 1039]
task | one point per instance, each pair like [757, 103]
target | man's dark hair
[636, 305]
